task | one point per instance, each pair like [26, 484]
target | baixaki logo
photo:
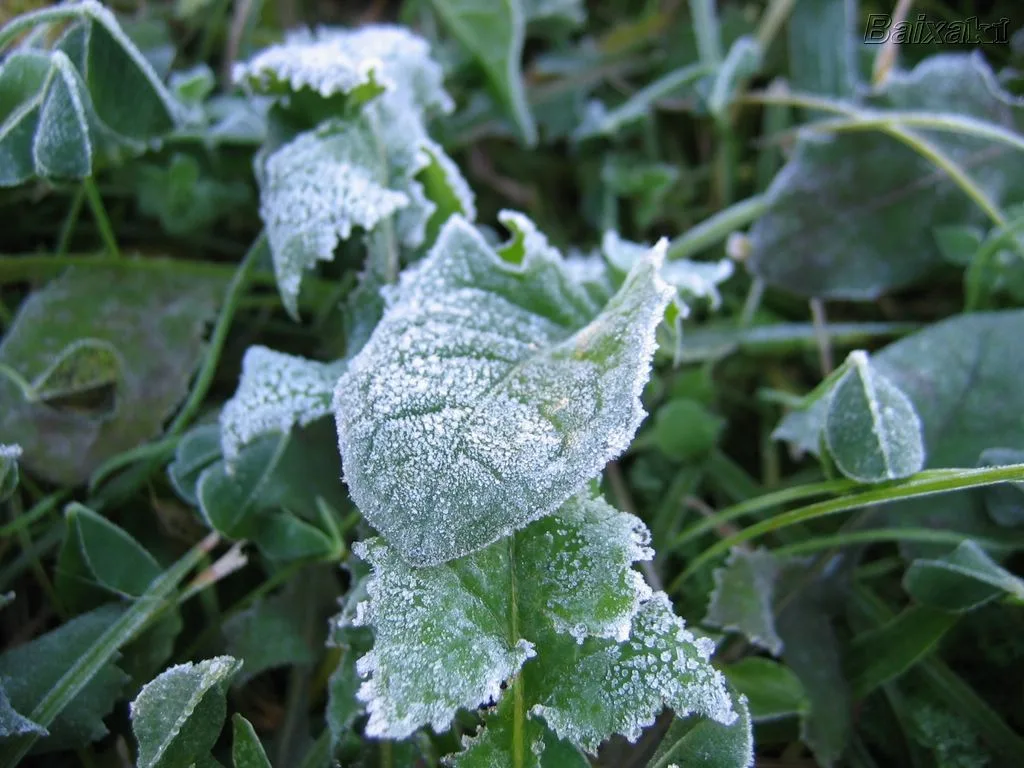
[969, 31]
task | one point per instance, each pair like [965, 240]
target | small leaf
[684, 429]
[1004, 502]
[494, 31]
[447, 636]
[178, 716]
[28, 673]
[491, 390]
[267, 635]
[771, 688]
[185, 197]
[872, 429]
[9, 475]
[965, 579]
[198, 448]
[844, 204]
[276, 392]
[62, 148]
[708, 743]
[153, 318]
[623, 688]
[246, 749]
[97, 553]
[742, 599]
[878, 656]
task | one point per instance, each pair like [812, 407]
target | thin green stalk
[158, 450]
[772, 20]
[26, 557]
[123, 630]
[945, 123]
[707, 31]
[37, 512]
[718, 227]
[99, 212]
[886, 535]
[925, 483]
[204, 378]
[71, 220]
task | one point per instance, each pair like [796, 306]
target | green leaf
[494, 33]
[197, 450]
[45, 133]
[621, 688]
[708, 743]
[178, 716]
[743, 597]
[491, 391]
[267, 635]
[97, 553]
[1004, 503]
[276, 392]
[154, 319]
[872, 430]
[447, 636]
[684, 429]
[822, 46]
[184, 197]
[883, 654]
[9, 475]
[28, 672]
[771, 688]
[965, 579]
[843, 205]
[246, 749]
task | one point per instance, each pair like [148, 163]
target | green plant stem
[158, 450]
[885, 535]
[945, 123]
[99, 213]
[38, 511]
[204, 378]
[123, 630]
[71, 220]
[718, 227]
[772, 20]
[925, 483]
[708, 33]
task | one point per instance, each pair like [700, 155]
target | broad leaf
[99, 557]
[1005, 502]
[742, 600]
[352, 642]
[275, 393]
[28, 672]
[96, 407]
[494, 32]
[447, 636]
[708, 743]
[872, 430]
[844, 204]
[14, 724]
[178, 716]
[622, 688]
[491, 391]
[246, 749]
[269, 634]
[771, 688]
[9, 475]
[961, 581]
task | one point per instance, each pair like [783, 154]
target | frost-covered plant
[496, 383]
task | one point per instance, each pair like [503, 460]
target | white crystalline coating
[314, 190]
[338, 61]
[10, 451]
[276, 392]
[622, 688]
[491, 391]
[447, 636]
[693, 279]
[743, 597]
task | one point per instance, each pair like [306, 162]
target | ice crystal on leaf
[448, 636]
[492, 390]
[622, 688]
[275, 393]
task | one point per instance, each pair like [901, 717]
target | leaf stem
[718, 227]
[885, 535]
[71, 220]
[220, 332]
[99, 213]
[924, 483]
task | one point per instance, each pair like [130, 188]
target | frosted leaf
[340, 61]
[871, 427]
[491, 391]
[622, 688]
[742, 598]
[693, 279]
[275, 393]
[447, 636]
[9, 475]
[314, 190]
